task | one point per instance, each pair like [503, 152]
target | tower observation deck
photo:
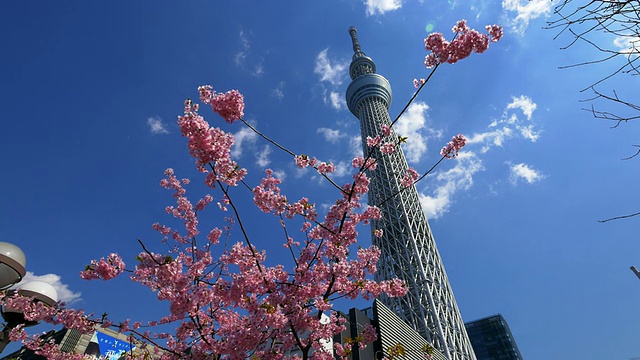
[408, 250]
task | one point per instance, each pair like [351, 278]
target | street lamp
[12, 271]
[12, 265]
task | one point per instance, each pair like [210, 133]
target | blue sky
[91, 91]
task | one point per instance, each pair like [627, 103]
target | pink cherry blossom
[229, 105]
[454, 146]
[409, 177]
[465, 42]
[418, 82]
[388, 148]
[360, 163]
[374, 141]
[326, 168]
[210, 146]
[495, 32]
[302, 161]
[104, 269]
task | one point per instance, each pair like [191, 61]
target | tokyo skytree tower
[408, 250]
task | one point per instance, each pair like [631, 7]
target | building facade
[491, 339]
[394, 335]
[408, 250]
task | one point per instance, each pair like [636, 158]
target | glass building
[491, 339]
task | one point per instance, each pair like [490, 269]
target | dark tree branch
[618, 20]
[619, 217]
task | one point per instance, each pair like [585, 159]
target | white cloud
[355, 145]
[258, 70]
[382, 6]
[459, 178]
[524, 172]
[242, 136]
[491, 138]
[337, 101]
[411, 124]
[278, 92]
[528, 133]
[331, 135]
[526, 10]
[628, 44]
[240, 57]
[523, 103]
[262, 157]
[333, 72]
[334, 99]
[343, 168]
[64, 293]
[157, 126]
[509, 125]
[280, 174]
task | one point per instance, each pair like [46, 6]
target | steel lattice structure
[408, 250]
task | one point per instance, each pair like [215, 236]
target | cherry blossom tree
[234, 305]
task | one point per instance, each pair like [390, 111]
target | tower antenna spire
[357, 51]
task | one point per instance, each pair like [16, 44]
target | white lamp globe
[12, 265]
[39, 291]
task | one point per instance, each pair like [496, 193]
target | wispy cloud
[523, 103]
[459, 178]
[331, 135]
[241, 55]
[525, 11]
[64, 293]
[524, 172]
[278, 91]
[628, 45]
[412, 124]
[382, 6]
[262, 157]
[437, 198]
[245, 135]
[509, 125]
[157, 126]
[258, 70]
[343, 168]
[337, 101]
[333, 71]
[355, 145]
[334, 99]
[280, 174]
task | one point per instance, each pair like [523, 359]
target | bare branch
[619, 21]
[619, 217]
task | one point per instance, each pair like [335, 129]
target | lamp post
[12, 271]
[12, 265]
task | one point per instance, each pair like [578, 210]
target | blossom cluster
[104, 269]
[454, 146]
[229, 105]
[210, 146]
[467, 41]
